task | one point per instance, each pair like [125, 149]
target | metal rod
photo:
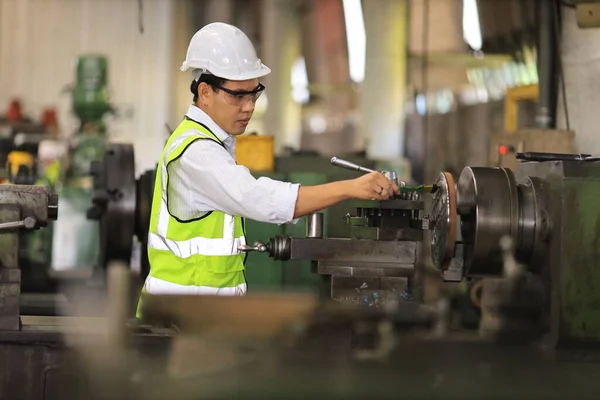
[338, 162]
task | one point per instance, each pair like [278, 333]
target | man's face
[232, 105]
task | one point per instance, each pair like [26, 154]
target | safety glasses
[241, 97]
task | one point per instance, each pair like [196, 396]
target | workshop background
[413, 86]
[484, 112]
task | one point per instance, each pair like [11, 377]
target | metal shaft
[28, 223]
[338, 162]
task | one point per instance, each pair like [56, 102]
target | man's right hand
[372, 186]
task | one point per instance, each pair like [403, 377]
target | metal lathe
[542, 283]
[529, 239]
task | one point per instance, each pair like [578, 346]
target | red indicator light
[503, 150]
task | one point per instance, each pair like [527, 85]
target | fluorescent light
[470, 23]
[299, 78]
[356, 38]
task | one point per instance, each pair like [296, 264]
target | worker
[201, 196]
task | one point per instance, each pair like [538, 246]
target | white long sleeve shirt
[206, 178]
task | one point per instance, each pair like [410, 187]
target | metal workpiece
[314, 225]
[391, 175]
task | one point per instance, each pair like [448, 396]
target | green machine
[75, 242]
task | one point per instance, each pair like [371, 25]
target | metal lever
[258, 246]
[27, 223]
[338, 162]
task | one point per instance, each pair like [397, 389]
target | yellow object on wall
[256, 152]
[511, 104]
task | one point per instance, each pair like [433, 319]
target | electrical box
[587, 13]
[504, 146]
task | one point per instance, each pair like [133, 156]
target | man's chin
[238, 131]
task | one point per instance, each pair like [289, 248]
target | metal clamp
[27, 223]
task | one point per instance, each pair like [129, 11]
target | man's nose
[248, 105]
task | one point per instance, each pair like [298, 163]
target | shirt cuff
[289, 198]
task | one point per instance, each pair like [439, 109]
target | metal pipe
[314, 225]
[546, 64]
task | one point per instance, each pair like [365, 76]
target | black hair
[211, 80]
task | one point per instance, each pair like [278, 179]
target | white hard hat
[224, 51]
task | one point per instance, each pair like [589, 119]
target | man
[201, 195]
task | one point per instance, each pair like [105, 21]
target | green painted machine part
[571, 192]
[75, 238]
[90, 94]
[88, 147]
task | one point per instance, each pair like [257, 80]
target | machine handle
[338, 162]
[535, 156]
[258, 246]
[27, 223]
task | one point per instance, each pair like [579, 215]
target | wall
[41, 39]
[581, 62]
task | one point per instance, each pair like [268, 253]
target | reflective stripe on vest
[200, 255]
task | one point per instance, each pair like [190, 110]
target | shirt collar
[198, 115]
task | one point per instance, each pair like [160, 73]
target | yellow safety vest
[197, 256]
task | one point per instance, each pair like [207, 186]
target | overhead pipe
[547, 49]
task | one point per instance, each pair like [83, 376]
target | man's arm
[212, 181]
[209, 179]
[314, 198]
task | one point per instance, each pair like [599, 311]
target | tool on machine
[408, 192]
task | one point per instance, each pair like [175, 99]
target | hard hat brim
[259, 73]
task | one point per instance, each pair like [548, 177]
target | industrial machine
[544, 210]
[529, 237]
[90, 104]
[379, 258]
[21, 207]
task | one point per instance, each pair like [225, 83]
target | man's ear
[204, 92]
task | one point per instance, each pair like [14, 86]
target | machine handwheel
[443, 231]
